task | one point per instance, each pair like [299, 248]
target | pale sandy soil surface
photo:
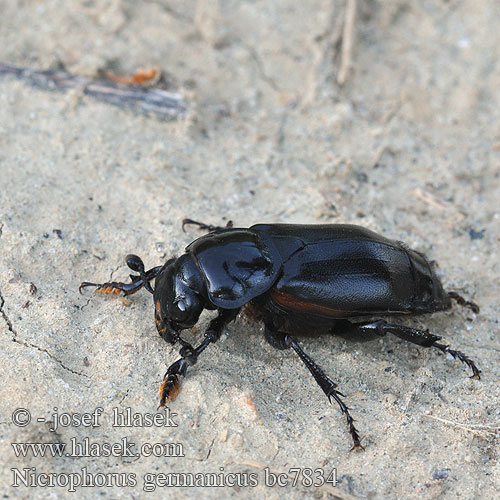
[408, 146]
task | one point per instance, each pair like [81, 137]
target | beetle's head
[178, 297]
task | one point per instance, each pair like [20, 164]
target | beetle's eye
[181, 305]
[180, 309]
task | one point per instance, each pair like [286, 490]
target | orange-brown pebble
[141, 77]
[249, 402]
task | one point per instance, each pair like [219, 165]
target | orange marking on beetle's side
[116, 291]
[290, 302]
[160, 325]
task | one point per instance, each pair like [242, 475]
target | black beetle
[299, 279]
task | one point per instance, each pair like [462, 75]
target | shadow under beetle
[299, 279]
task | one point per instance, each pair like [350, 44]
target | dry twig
[491, 429]
[166, 105]
[347, 42]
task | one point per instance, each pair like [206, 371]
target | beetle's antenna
[135, 263]
[115, 287]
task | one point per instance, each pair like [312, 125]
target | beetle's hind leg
[281, 340]
[115, 287]
[420, 337]
[207, 227]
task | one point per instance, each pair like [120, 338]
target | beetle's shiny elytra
[299, 279]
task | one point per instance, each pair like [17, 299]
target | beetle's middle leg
[420, 337]
[142, 280]
[281, 340]
[171, 386]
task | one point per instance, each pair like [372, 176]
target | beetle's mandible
[299, 279]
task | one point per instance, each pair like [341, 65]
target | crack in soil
[29, 344]
[6, 318]
[261, 69]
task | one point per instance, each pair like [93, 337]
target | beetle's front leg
[281, 340]
[171, 385]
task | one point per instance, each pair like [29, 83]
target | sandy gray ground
[409, 146]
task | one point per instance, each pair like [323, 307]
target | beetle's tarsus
[350, 421]
[462, 357]
[464, 303]
[208, 227]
